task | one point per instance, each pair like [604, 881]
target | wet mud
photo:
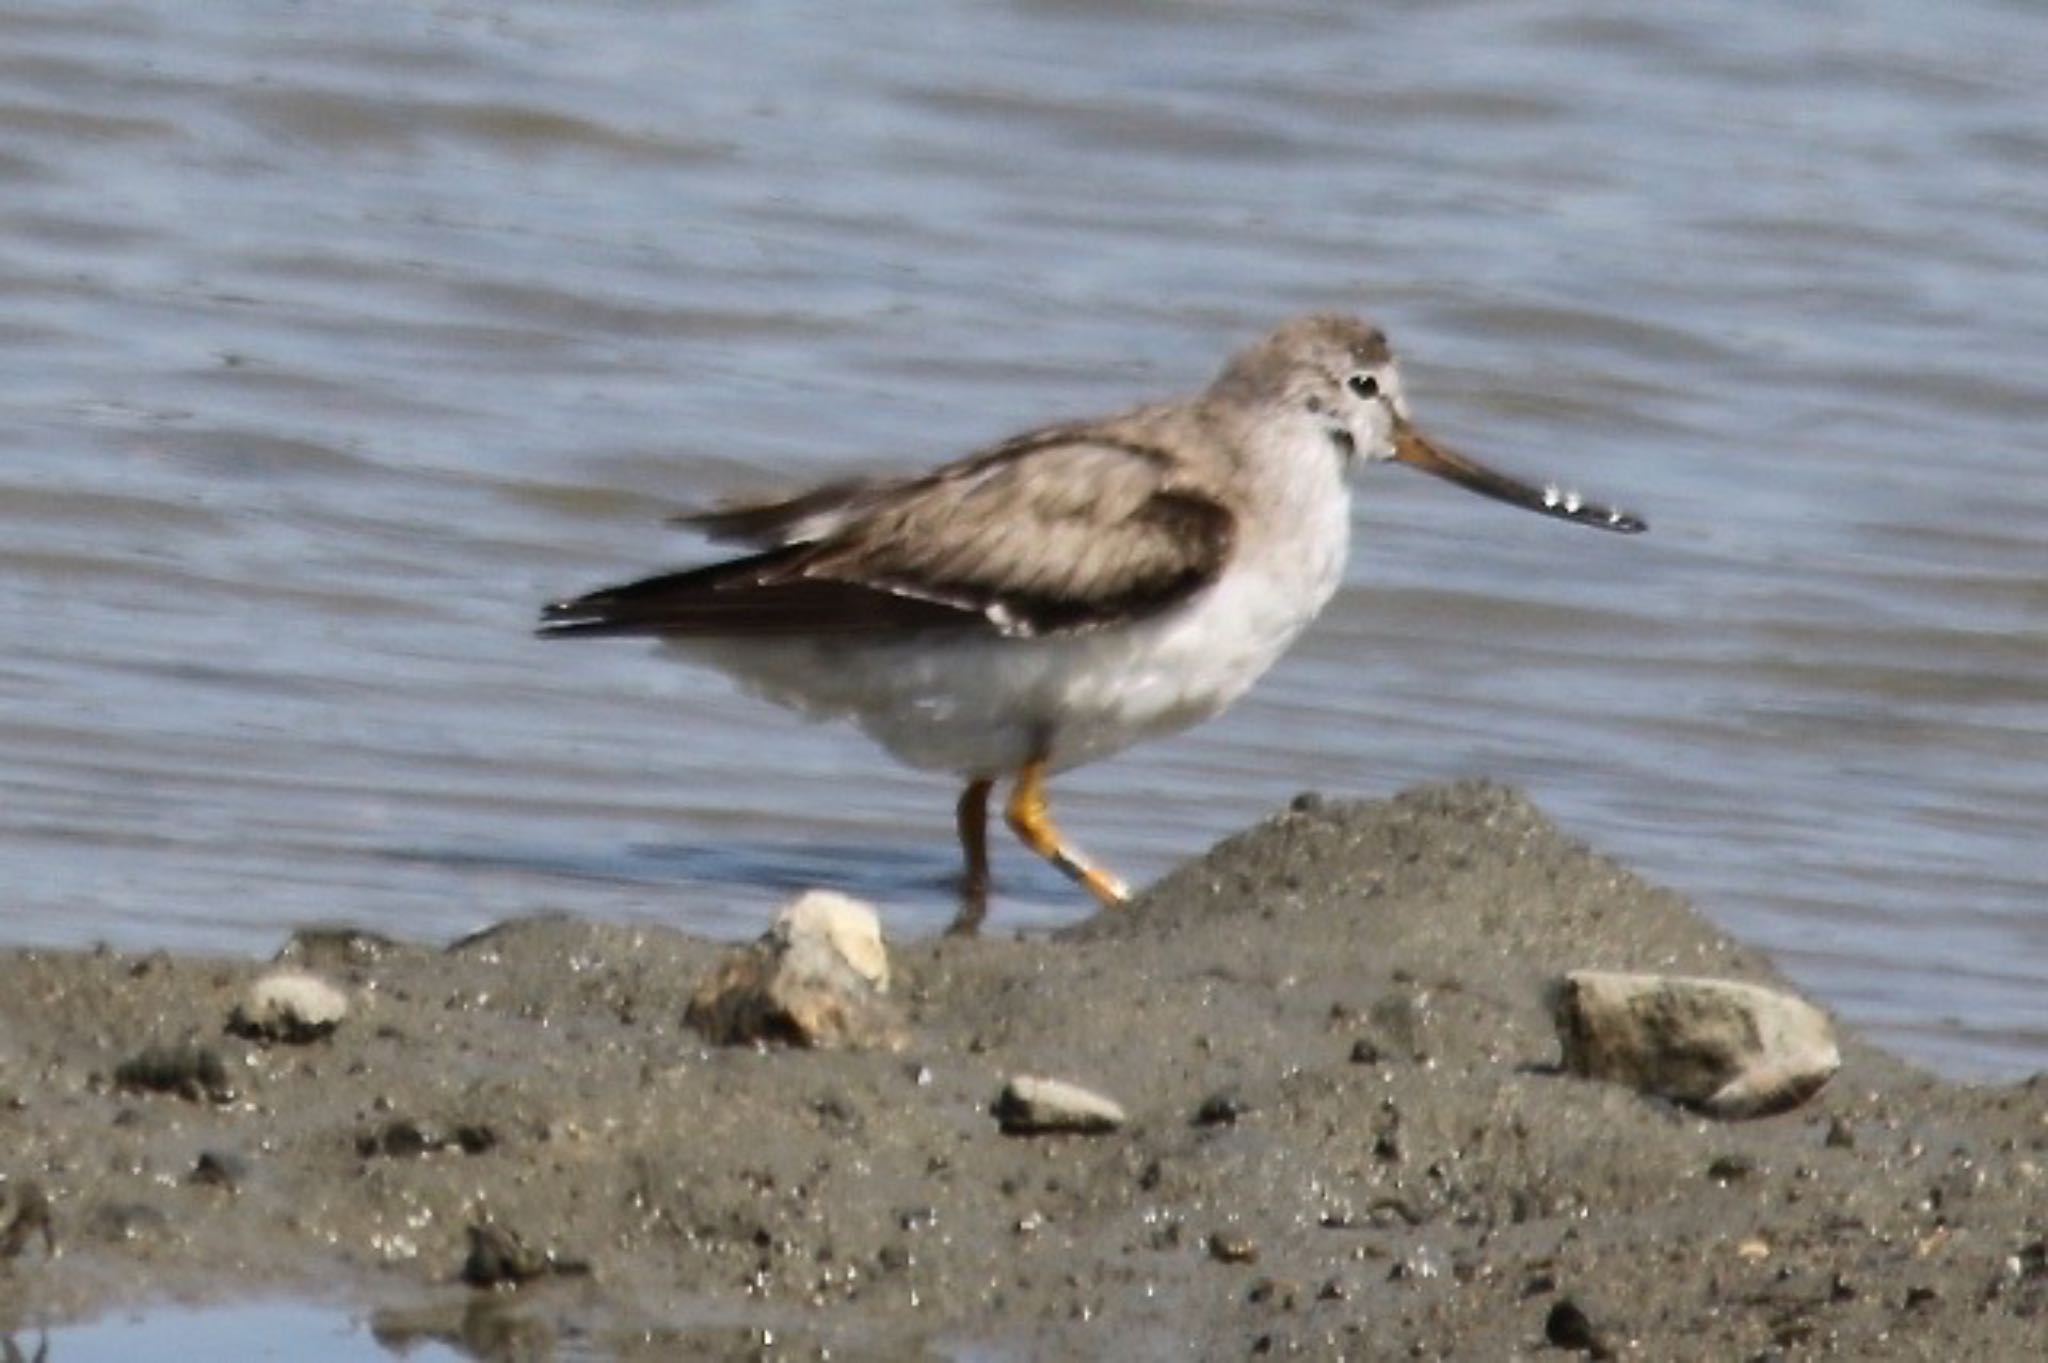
[1345, 1136]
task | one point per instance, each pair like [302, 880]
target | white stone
[815, 978]
[289, 1005]
[1727, 1048]
[1031, 1104]
[846, 927]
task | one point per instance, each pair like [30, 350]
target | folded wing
[1062, 530]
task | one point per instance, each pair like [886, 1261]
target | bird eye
[1365, 385]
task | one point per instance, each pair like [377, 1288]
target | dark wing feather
[787, 520]
[1058, 531]
[754, 596]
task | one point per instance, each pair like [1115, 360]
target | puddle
[281, 1330]
[474, 1328]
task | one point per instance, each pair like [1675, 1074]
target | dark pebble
[2033, 1259]
[500, 1257]
[31, 1215]
[219, 1169]
[405, 1138]
[1385, 1210]
[1729, 1168]
[1228, 1247]
[401, 1138]
[194, 1073]
[1274, 1292]
[1568, 1327]
[474, 1138]
[1221, 1109]
[334, 948]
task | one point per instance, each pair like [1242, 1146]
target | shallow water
[339, 337]
[245, 1332]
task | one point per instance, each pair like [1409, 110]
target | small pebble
[27, 1211]
[289, 1006]
[335, 947]
[500, 1257]
[818, 978]
[1274, 1292]
[1031, 1105]
[219, 1169]
[1731, 1168]
[194, 1073]
[404, 1138]
[1229, 1247]
[1568, 1327]
[849, 928]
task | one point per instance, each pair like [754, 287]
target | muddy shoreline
[1347, 1138]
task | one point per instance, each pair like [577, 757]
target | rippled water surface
[339, 335]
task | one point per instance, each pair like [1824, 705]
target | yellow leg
[972, 820]
[1032, 822]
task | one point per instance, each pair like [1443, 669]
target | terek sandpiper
[1068, 592]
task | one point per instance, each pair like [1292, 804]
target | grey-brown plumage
[1067, 592]
[1067, 528]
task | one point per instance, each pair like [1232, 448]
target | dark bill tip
[1416, 451]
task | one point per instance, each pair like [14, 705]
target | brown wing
[1062, 530]
[809, 515]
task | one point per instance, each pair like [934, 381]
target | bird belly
[984, 705]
